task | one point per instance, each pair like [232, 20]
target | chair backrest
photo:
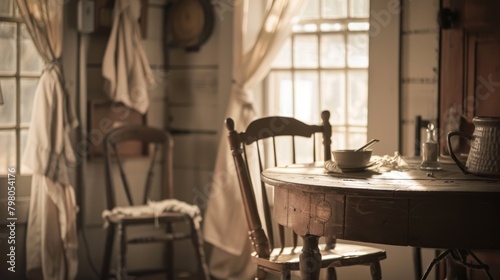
[258, 130]
[159, 145]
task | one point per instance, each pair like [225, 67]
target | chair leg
[417, 262]
[169, 254]
[453, 269]
[260, 274]
[376, 271]
[122, 233]
[286, 275]
[197, 241]
[437, 252]
[110, 239]
[331, 273]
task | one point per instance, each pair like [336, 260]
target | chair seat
[147, 218]
[341, 255]
[160, 238]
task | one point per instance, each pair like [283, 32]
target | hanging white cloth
[125, 66]
[252, 59]
[51, 243]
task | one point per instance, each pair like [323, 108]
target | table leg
[454, 271]
[456, 263]
[310, 258]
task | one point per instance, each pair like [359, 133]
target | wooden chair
[269, 257]
[160, 154]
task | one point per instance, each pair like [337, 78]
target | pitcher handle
[452, 154]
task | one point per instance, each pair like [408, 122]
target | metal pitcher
[484, 154]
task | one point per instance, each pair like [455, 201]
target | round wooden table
[412, 207]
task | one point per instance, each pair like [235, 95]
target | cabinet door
[470, 64]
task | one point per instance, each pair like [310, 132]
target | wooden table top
[438, 209]
[411, 182]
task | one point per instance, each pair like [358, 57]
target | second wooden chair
[131, 204]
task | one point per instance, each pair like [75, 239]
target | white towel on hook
[125, 66]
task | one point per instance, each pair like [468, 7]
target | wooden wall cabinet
[470, 78]
[470, 63]
[103, 116]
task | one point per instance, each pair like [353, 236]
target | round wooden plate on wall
[190, 22]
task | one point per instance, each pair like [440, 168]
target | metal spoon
[371, 142]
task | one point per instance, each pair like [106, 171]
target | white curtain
[225, 224]
[125, 66]
[51, 243]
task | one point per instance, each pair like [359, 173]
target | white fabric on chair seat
[156, 208]
[167, 205]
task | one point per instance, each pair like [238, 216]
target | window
[324, 66]
[20, 69]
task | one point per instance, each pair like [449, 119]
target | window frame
[19, 127]
[22, 181]
[344, 31]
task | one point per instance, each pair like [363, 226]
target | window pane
[31, 62]
[304, 150]
[332, 51]
[357, 137]
[334, 8]
[358, 26]
[28, 88]
[7, 48]
[308, 27]
[284, 148]
[311, 10]
[339, 137]
[357, 97]
[359, 9]
[305, 53]
[284, 57]
[333, 96]
[357, 50]
[326, 27]
[283, 151]
[328, 71]
[8, 109]
[306, 96]
[17, 13]
[6, 8]
[8, 156]
[24, 136]
[280, 87]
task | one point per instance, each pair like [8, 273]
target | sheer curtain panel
[225, 225]
[51, 242]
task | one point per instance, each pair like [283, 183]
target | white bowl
[352, 159]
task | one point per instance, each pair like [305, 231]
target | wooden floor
[178, 276]
[161, 276]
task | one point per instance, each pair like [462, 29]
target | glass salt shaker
[430, 151]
